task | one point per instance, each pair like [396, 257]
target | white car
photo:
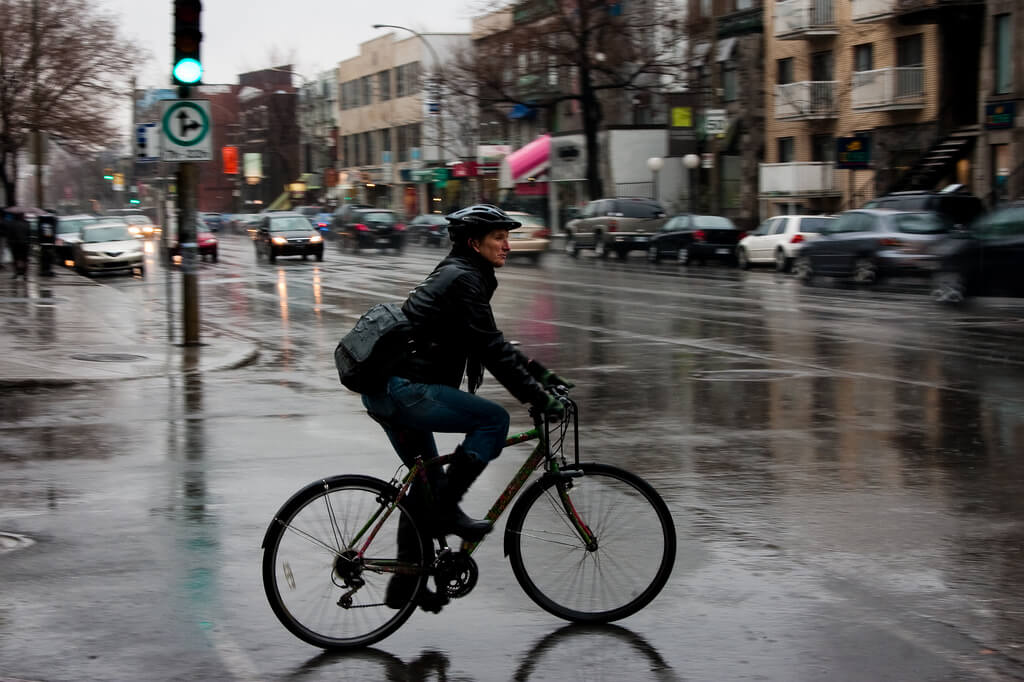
[108, 246]
[778, 240]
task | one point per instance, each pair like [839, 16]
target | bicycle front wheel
[316, 581]
[615, 572]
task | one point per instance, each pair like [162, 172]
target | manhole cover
[108, 357]
[748, 375]
[11, 541]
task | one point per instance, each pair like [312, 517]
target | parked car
[429, 228]
[139, 225]
[320, 218]
[867, 244]
[249, 223]
[960, 208]
[372, 228]
[531, 240]
[206, 240]
[69, 233]
[212, 219]
[985, 259]
[108, 246]
[343, 214]
[622, 224]
[288, 234]
[778, 240]
[695, 239]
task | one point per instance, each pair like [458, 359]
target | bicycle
[587, 542]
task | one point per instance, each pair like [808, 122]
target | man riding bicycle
[454, 335]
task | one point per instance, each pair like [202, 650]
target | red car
[205, 239]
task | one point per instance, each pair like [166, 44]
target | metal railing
[806, 99]
[893, 87]
[810, 178]
[871, 10]
[795, 17]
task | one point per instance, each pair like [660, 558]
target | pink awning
[530, 160]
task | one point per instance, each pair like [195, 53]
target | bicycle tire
[632, 525]
[300, 568]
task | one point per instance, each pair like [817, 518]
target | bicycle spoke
[310, 538]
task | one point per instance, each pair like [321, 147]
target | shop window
[1003, 44]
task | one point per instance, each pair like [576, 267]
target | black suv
[960, 208]
[372, 228]
[288, 234]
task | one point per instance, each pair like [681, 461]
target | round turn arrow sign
[185, 123]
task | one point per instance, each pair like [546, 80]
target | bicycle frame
[541, 431]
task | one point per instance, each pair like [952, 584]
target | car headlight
[279, 240]
[316, 238]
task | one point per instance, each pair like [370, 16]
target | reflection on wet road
[842, 465]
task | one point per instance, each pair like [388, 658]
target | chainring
[456, 574]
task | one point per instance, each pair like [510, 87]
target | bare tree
[560, 50]
[63, 65]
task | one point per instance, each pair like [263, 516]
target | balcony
[806, 100]
[799, 19]
[889, 89]
[865, 11]
[798, 179]
[935, 11]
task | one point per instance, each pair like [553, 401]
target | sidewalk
[70, 329]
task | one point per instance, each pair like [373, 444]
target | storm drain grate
[108, 357]
[748, 375]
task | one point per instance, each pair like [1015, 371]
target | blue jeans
[413, 412]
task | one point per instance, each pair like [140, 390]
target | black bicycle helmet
[477, 220]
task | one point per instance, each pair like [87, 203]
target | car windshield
[288, 224]
[72, 226]
[920, 223]
[815, 224]
[135, 219]
[310, 210]
[1009, 221]
[712, 222]
[106, 233]
[378, 217]
[639, 208]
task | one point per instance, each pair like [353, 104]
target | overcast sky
[246, 35]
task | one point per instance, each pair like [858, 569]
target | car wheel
[684, 256]
[320, 255]
[271, 256]
[949, 287]
[305, 256]
[783, 263]
[803, 270]
[652, 254]
[213, 256]
[141, 270]
[572, 247]
[865, 271]
[600, 250]
[534, 258]
[742, 259]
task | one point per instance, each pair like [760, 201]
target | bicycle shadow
[598, 652]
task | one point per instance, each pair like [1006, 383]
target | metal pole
[188, 186]
[37, 140]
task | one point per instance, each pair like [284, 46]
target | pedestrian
[18, 241]
[453, 334]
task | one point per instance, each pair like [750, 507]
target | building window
[729, 86]
[823, 148]
[1003, 43]
[910, 50]
[785, 71]
[385, 140]
[384, 85]
[785, 149]
[705, 8]
[366, 85]
[744, 4]
[864, 57]
[822, 66]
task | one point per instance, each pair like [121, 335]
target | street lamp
[691, 161]
[655, 163]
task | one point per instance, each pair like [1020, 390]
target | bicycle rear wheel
[317, 585]
[620, 573]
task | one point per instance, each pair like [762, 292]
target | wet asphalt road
[842, 465]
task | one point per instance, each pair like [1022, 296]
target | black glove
[552, 407]
[545, 376]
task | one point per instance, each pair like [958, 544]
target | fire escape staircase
[939, 161]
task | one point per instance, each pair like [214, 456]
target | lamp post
[432, 91]
[655, 163]
[691, 161]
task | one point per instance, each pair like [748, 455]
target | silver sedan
[108, 246]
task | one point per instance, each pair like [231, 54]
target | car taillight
[889, 241]
[613, 225]
[699, 236]
[362, 228]
[797, 238]
[742, 235]
[399, 227]
[321, 224]
[542, 233]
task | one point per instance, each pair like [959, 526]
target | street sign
[853, 153]
[185, 130]
[147, 142]
[715, 122]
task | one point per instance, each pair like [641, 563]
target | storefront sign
[853, 153]
[1000, 115]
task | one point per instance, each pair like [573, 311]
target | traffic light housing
[187, 67]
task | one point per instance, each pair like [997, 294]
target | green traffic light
[108, 177]
[133, 201]
[188, 70]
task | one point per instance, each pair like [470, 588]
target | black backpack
[366, 355]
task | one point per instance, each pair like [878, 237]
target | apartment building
[268, 137]
[896, 80]
[318, 134]
[1000, 158]
[395, 122]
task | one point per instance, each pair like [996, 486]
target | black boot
[463, 470]
[401, 586]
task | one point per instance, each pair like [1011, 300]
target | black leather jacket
[453, 326]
